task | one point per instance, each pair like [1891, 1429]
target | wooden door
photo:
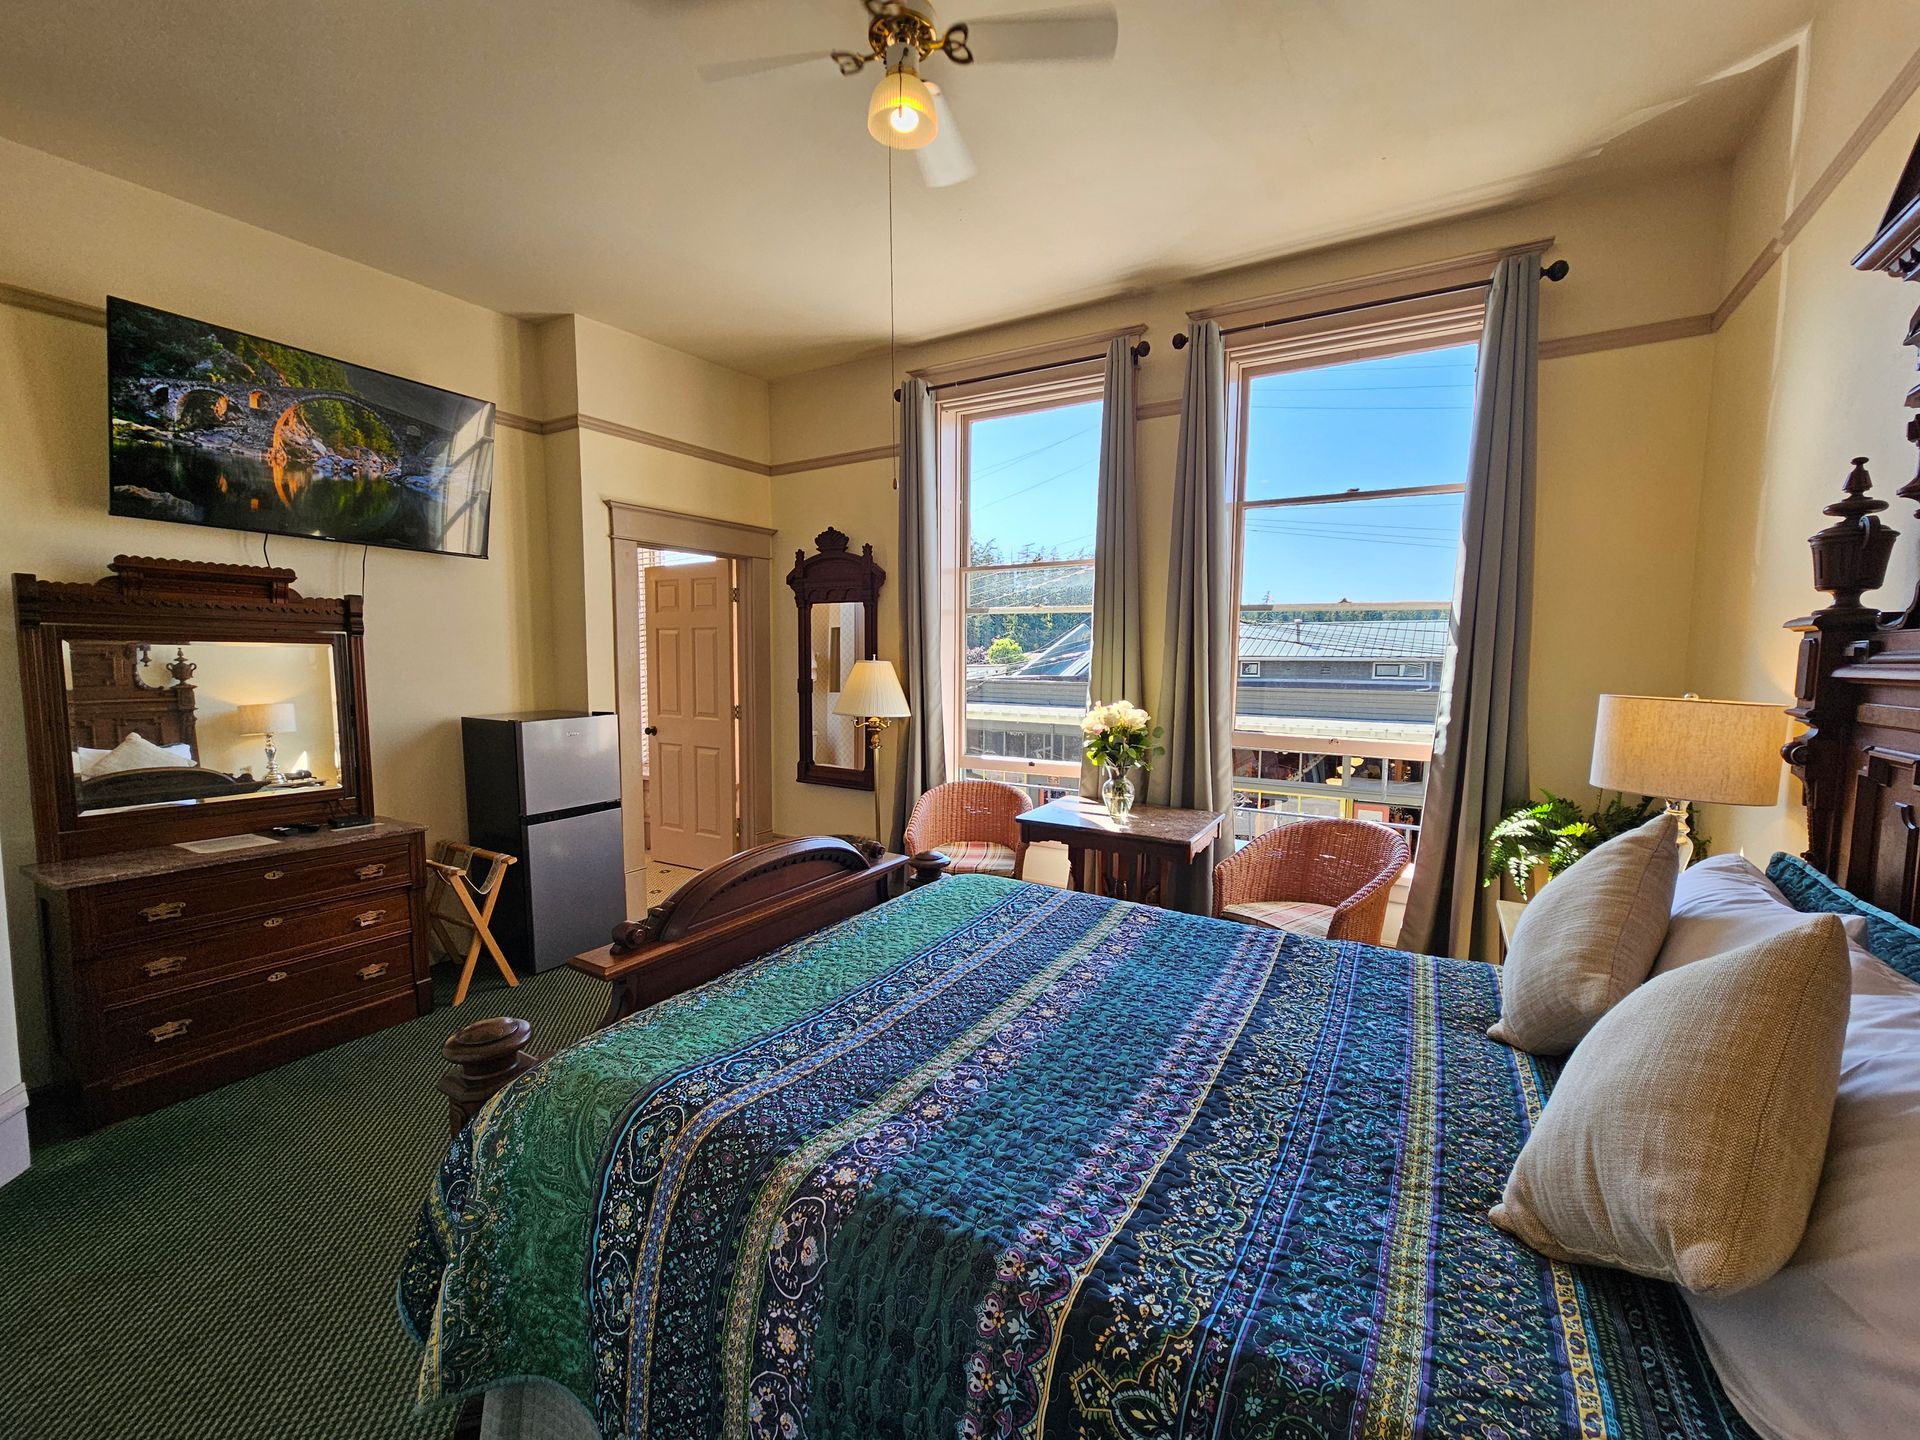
[690, 724]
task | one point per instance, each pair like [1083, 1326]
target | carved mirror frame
[170, 603]
[834, 576]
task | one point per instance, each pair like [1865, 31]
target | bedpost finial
[486, 1056]
[1850, 556]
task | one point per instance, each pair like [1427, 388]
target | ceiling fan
[908, 113]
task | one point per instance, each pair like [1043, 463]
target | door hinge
[736, 712]
[734, 594]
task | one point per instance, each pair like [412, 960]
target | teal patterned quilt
[1001, 1160]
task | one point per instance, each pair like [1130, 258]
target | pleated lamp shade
[872, 688]
[1710, 752]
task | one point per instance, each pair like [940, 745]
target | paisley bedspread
[1001, 1160]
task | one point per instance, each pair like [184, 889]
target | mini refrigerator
[545, 788]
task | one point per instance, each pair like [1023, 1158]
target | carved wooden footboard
[736, 911]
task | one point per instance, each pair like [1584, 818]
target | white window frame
[957, 408]
[1404, 327]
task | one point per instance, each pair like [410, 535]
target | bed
[992, 1158]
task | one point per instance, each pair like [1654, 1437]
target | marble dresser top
[172, 859]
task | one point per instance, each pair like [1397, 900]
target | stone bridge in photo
[257, 414]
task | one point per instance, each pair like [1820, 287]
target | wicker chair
[1314, 877]
[971, 822]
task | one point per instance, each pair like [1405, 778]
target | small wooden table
[1131, 859]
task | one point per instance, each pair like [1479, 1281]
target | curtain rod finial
[1143, 349]
[1557, 271]
[1180, 341]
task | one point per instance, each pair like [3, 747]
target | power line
[1000, 465]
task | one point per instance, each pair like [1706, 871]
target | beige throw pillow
[1590, 936]
[136, 752]
[1686, 1135]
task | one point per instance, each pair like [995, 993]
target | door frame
[632, 528]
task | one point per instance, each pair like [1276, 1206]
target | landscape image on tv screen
[213, 427]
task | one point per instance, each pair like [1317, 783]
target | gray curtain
[1479, 768]
[923, 749]
[1116, 672]
[1196, 678]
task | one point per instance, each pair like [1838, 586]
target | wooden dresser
[159, 701]
[174, 972]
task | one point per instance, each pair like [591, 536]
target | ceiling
[541, 158]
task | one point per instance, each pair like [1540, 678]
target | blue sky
[1401, 421]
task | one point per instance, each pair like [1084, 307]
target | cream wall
[526, 628]
[1809, 372]
[1615, 614]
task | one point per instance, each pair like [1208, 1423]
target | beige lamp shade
[274, 719]
[872, 688]
[1711, 752]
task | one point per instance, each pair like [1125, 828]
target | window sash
[958, 410]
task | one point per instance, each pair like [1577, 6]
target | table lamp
[268, 720]
[871, 694]
[1685, 749]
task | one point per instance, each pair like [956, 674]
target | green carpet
[225, 1267]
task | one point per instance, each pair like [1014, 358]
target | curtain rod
[1556, 272]
[1144, 348]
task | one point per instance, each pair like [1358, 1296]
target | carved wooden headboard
[107, 700]
[1858, 686]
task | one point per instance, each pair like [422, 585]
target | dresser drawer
[146, 1030]
[231, 947]
[138, 914]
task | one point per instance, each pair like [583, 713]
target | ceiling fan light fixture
[900, 114]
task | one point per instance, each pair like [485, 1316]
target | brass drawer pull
[272, 922]
[165, 910]
[165, 965]
[372, 972]
[172, 1030]
[370, 872]
[274, 875]
[276, 977]
[369, 917]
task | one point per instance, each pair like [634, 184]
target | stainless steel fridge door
[576, 886]
[569, 763]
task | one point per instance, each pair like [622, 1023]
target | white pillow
[1829, 1347]
[85, 757]
[1724, 903]
[136, 752]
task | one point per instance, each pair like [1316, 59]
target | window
[1350, 478]
[1027, 481]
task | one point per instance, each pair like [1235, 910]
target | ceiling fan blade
[947, 161]
[1077, 32]
[741, 69]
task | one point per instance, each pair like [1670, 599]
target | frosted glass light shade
[872, 688]
[1711, 752]
[900, 114]
[274, 719]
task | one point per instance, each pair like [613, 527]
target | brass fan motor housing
[897, 25]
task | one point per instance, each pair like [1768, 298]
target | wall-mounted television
[214, 427]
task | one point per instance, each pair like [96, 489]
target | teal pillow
[1888, 936]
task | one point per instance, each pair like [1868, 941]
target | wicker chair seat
[976, 857]
[1302, 917]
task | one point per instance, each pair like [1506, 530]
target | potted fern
[1535, 842]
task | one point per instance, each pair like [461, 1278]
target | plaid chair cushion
[1302, 917]
[977, 857]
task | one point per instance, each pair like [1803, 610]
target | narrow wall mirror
[838, 594]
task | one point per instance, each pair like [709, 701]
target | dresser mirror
[198, 722]
[838, 594]
[177, 700]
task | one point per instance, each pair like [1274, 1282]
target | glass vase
[1117, 790]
